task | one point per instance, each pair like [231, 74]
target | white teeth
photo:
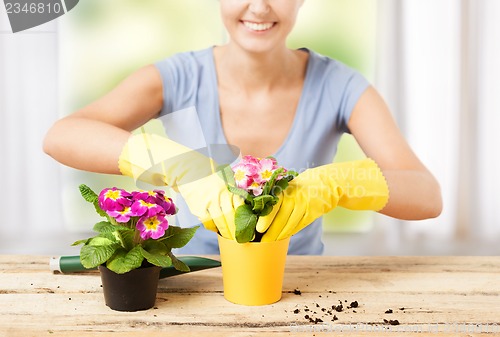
[258, 26]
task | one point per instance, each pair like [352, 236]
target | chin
[256, 47]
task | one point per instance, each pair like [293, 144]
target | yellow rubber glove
[160, 161]
[210, 200]
[355, 185]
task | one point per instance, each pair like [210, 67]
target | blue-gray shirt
[191, 116]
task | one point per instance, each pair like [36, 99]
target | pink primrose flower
[123, 215]
[156, 197]
[144, 208]
[252, 173]
[167, 204]
[250, 160]
[265, 170]
[244, 174]
[152, 227]
[114, 199]
[275, 162]
[148, 196]
[256, 188]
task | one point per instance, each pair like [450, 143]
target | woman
[262, 97]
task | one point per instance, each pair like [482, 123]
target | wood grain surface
[424, 296]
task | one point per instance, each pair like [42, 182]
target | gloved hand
[210, 200]
[160, 161]
[355, 185]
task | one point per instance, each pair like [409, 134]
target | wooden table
[446, 296]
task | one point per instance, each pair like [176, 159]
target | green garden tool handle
[71, 264]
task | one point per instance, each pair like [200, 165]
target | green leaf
[88, 194]
[93, 198]
[126, 238]
[274, 186]
[270, 183]
[107, 227]
[79, 242]
[177, 237]
[267, 209]
[156, 258]
[155, 247]
[245, 221]
[104, 240]
[104, 227]
[241, 192]
[178, 264]
[123, 261]
[226, 173]
[99, 210]
[261, 201]
[282, 184]
[93, 256]
[279, 187]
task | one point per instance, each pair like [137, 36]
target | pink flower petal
[112, 199]
[121, 216]
[152, 227]
[256, 188]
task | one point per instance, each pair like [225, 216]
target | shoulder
[336, 80]
[190, 61]
[330, 69]
[339, 85]
[184, 76]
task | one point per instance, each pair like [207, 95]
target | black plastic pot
[132, 291]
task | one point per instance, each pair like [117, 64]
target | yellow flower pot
[252, 273]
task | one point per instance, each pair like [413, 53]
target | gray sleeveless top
[191, 116]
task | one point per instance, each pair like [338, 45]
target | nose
[259, 7]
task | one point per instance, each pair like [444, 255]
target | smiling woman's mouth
[258, 27]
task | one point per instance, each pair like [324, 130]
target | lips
[258, 26]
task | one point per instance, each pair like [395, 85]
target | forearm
[413, 195]
[86, 144]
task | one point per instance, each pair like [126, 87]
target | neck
[257, 71]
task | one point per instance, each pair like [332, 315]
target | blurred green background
[101, 42]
